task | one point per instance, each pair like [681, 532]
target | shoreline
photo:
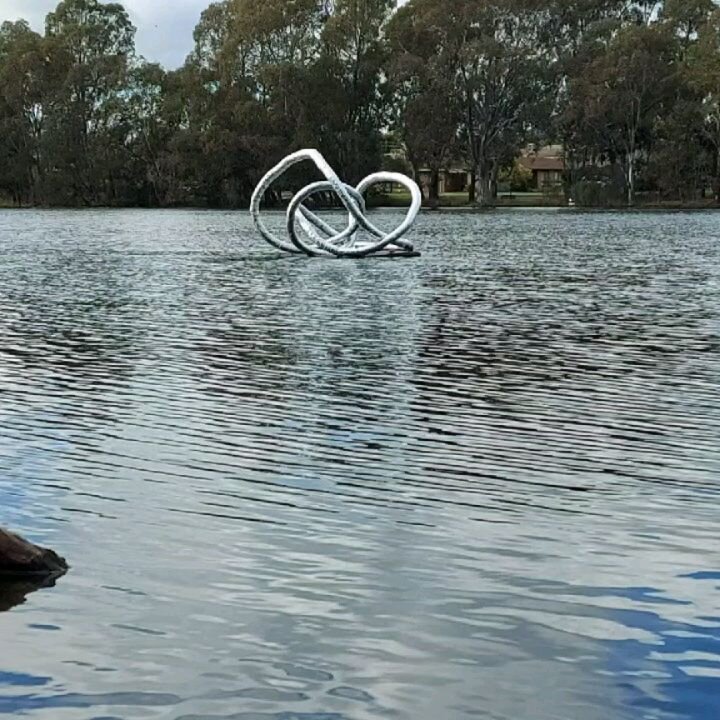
[651, 207]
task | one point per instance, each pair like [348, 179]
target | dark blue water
[480, 484]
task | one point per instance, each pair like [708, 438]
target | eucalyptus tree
[642, 12]
[496, 64]
[249, 67]
[352, 58]
[149, 132]
[427, 112]
[616, 100]
[505, 79]
[680, 161]
[631, 87]
[576, 32]
[687, 17]
[704, 77]
[90, 44]
[25, 81]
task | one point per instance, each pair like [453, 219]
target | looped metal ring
[310, 234]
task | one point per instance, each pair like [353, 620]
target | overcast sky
[164, 26]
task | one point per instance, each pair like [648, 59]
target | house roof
[548, 157]
[543, 161]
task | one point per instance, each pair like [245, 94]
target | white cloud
[164, 27]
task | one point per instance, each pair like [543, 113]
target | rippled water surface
[479, 484]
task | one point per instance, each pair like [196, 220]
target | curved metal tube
[316, 237]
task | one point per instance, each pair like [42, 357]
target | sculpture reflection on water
[310, 234]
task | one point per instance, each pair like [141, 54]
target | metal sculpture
[310, 234]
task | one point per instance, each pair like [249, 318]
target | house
[451, 180]
[546, 164]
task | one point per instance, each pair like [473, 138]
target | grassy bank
[401, 198]
[459, 201]
[651, 201]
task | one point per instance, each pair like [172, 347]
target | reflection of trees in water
[74, 320]
[553, 379]
[71, 335]
[511, 334]
[497, 336]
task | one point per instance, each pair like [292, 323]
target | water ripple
[481, 483]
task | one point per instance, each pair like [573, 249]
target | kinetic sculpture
[314, 236]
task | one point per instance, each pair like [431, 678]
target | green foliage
[520, 178]
[631, 89]
[595, 194]
[426, 107]
[615, 101]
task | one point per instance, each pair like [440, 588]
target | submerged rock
[21, 559]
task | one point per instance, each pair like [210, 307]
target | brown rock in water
[20, 559]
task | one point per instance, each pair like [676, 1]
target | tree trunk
[471, 189]
[19, 558]
[434, 189]
[484, 185]
[416, 171]
[630, 170]
[716, 176]
[568, 176]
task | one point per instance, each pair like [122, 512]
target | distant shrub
[518, 178]
[521, 178]
[596, 193]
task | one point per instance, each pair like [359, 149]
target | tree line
[630, 89]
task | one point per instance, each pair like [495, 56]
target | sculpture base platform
[392, 254]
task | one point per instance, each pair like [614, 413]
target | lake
[483, 483]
